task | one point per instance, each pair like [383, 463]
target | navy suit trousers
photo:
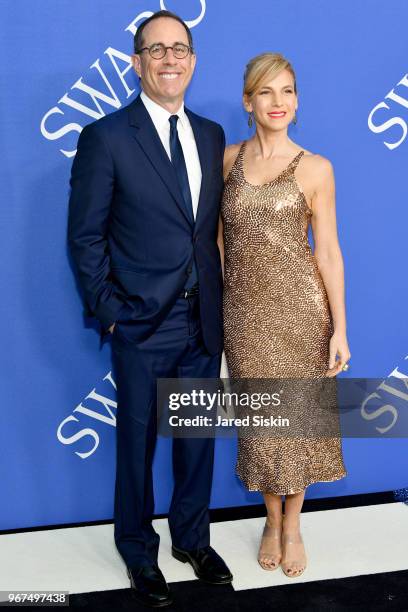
[175, 349]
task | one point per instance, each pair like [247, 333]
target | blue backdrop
[66, 64]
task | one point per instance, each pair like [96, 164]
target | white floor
[339, 543]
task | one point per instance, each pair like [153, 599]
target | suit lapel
[144, 131]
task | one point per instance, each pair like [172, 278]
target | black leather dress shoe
[206, 563]
[149, 586]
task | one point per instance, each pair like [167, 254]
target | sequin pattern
[277, 321]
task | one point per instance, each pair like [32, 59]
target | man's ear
[194, 60]
[136, 63]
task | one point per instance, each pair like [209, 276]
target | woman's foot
[294, 555]
[270, 550]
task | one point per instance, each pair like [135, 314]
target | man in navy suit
[143, 215]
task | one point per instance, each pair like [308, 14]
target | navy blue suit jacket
[129, 234]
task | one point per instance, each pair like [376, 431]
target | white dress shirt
[160, 117]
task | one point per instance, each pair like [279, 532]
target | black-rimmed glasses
[158, 50]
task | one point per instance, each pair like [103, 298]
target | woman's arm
[230, 155]
[220, 242]
[329, 258]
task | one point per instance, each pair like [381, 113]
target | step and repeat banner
[66, 64]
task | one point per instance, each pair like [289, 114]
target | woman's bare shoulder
[231, 151]
[316, 160]
[230, 155]
[317, 164]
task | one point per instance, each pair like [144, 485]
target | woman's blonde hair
[263, 68]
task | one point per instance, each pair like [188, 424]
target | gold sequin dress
[277, 321]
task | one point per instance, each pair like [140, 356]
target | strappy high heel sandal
[288, 568]
[269, 560]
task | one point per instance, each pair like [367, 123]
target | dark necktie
[179, 164]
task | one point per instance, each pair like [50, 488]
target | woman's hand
[338, 347]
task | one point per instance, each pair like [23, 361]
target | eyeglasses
[158, 50]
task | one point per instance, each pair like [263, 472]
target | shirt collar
[160, 116]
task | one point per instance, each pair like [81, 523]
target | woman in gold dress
[284, 312]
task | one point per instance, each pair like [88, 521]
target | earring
[294, 119]
[250, 120]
